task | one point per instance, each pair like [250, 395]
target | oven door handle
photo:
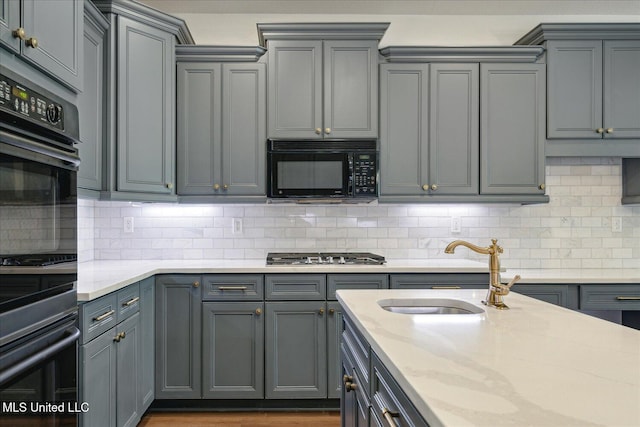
[35, 146]
[34, 359]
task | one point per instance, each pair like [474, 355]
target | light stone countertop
[535, 364]
[98, 278]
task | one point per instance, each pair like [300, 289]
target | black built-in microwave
[328, 169]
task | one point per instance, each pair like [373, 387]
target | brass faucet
[496, 289]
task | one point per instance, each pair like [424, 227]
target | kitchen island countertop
[535, 364]
[98, 278]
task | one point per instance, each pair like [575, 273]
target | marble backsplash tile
[573, 231]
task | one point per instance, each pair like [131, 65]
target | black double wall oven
[38, 256]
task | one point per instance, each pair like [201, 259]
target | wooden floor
[241, 419]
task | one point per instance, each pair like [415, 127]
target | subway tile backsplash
[574, 231]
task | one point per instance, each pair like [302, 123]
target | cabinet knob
[196, 284]
[350, 387]
[225, 187]
[542, 186]
[327, 130]
[331, 311]
[216, 187]
[425, 187]
[19, 33]
[434, 187]
[31, 42]
[318, 131]
[169, 185]
[347, 378]
[600, 130]
[258, 311]
[609, 130]
[321, 311]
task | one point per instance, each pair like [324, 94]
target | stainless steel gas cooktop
[330, 258]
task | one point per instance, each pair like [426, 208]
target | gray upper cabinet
[322, 79]
[221, 127]
[593, 90]
[91, 101]
[145, 108]
[26, 28]
[404, 131]
[139, 154]
[462, 131]
[512, 139]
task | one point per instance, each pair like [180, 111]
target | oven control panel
[365, 173]
[26, 102]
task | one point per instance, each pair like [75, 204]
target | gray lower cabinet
[147, 342]
[562, 295]
[178, 347]
[112, 356]
[322, 89]
[221, 128]
[512, 117]
[233, 350]
[91, 101]
[26, 29]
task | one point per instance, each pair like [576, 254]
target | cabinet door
[295, 89]
[91, 102]
[145, 108]
[404, 132]
[147, 342]
[453, 129]
[178, 337]
[198, 126]
[233, 350]
[296, 350]
[98, 380]
[350, 89]
[244, 129]
[335, 326]
[512, 117]
[57, 26]
[128, 372]
[575, 89]
[9, 21]
[622, 88]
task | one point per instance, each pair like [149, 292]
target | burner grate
[322, 258]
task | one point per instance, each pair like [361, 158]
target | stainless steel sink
[429, 306]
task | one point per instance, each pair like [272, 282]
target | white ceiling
[402, 7]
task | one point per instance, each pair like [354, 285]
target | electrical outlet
[236, 225]
[616, 224]
[128, 224]
[456, 224]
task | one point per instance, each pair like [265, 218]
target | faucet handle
[513, 281]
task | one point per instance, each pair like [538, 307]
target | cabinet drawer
[98, 316]
[128, 301]
[355, 281]
[440, 281]
[296, 287]
[389, 399]
[358, 348]
[610, 297]
[553, 294]
[248, 287]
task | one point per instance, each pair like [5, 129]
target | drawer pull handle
[103, 316]
[446, 287]
[232, 288]
[389, 416]
[131, 301]
[628, 298]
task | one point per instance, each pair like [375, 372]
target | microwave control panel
[365, 171]
[28, 103]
